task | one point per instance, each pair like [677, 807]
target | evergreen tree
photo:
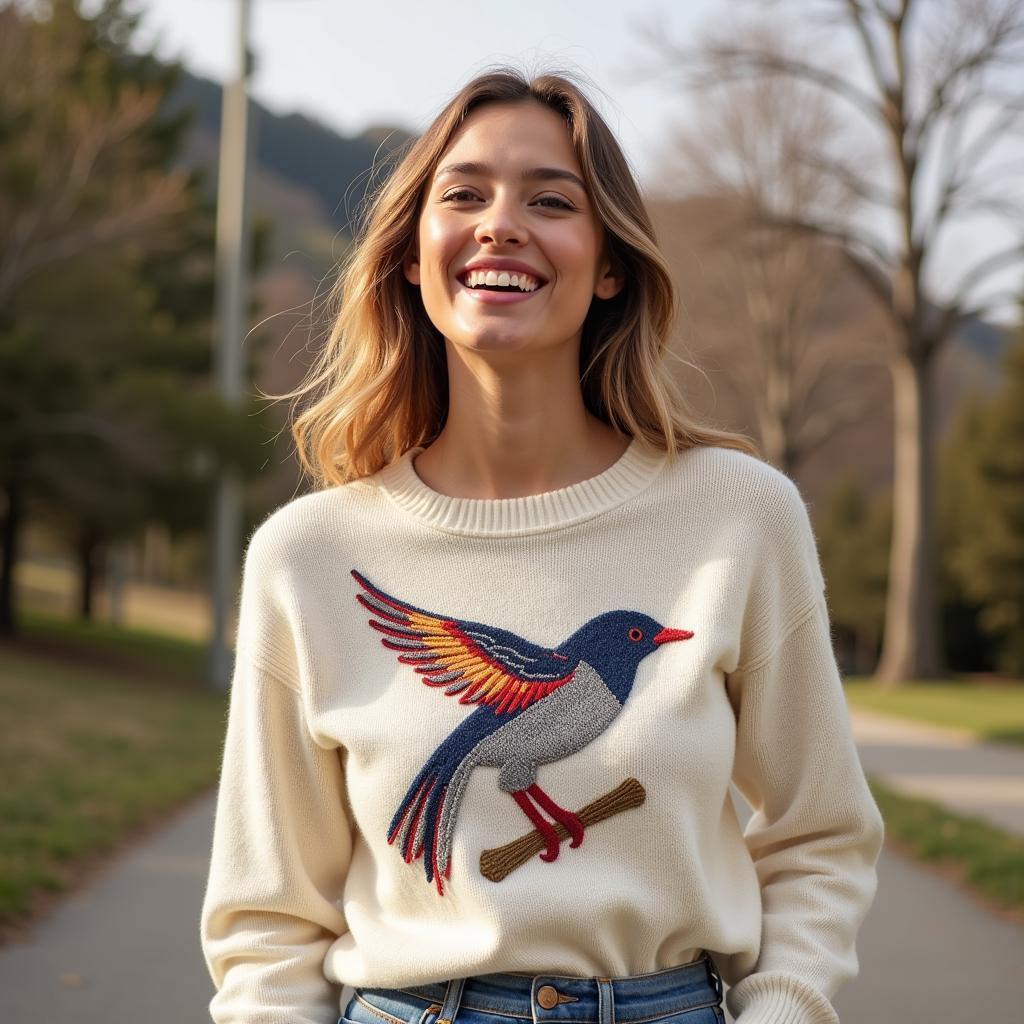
[983, 510]
[106, 280]
[853, 540]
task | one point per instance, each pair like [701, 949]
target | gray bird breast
[555, 727]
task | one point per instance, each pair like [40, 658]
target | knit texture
[477, 735]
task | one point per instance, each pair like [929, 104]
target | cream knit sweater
[473, 735]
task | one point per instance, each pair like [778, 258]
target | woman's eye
[559, 204]
[461, 195]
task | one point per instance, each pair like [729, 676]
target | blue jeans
[688, 994]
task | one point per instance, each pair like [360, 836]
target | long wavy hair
[380, 384]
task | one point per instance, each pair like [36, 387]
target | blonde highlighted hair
[380, 385]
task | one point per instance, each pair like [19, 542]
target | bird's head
[616, 642]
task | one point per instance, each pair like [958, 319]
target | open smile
[500, 296]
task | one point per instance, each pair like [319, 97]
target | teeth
[502, 279]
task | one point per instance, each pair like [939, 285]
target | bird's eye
[636, 634]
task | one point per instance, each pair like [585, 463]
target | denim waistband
[559, 997]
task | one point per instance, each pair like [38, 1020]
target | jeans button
[547, 996]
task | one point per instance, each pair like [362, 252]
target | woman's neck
[505, 462]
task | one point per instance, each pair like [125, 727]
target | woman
[495, 673]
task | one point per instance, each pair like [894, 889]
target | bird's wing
[484, 664]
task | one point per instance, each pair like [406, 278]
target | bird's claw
[575, 827]
[551, 838]
[569, 820]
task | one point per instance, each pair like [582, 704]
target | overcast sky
[350, 64]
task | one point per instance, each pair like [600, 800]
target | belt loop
[452, 999]
[605, 1001]
[713, 971]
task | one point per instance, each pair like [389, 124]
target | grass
[987, 859]
[91, 753]
[153, 654]
[994, 711]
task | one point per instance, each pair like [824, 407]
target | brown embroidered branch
[496, 863]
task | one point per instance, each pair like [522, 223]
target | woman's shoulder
[731, 479]
[751, 499]
[305, 522]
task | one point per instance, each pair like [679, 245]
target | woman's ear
[411, 267]
[611, 281]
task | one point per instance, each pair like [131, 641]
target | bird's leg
[571, 821]
[542, 826]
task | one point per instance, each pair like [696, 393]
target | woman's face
[508, 198]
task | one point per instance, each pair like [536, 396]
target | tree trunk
[88, 547]
[14, 491]
[910, 647]
[865, 652]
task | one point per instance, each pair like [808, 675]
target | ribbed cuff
[776, 998]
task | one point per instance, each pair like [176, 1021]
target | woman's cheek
[438, 240]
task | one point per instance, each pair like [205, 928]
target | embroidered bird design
[534, 705]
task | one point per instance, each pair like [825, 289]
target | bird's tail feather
[424, 821]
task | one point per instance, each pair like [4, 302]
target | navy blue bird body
[534, 705]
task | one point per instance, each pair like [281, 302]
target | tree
[83, 151]
[106, 264]
[853, 536]
[937, 93]
[983, 471]
[782, 305]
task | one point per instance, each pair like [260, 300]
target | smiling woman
[512, 176]
[626, 609]
[495, 210]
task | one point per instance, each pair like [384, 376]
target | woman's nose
[500, 224]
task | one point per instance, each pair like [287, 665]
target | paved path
[126, 947]
[949, 766]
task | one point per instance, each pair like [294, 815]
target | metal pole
[232, 257]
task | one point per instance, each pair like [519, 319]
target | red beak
[667, 635]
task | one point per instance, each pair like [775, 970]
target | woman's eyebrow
[530, 174]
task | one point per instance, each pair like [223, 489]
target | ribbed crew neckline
[635, 468]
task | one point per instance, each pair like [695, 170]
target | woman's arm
[816, 831]
[281, 844]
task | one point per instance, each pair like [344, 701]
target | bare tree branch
[967, 160]
[855, 183]
[720, 62]
[68, 151]
[847, 237]
[874, 58]
[986, 267]
[965, 314]
[1006, 28]
[1007, 207]
[110, 227]
[827, 421]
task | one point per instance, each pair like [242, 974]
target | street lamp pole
[232, 253]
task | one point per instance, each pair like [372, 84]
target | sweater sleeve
[282, 838]
[816, 831]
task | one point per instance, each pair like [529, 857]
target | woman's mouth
[499, 286]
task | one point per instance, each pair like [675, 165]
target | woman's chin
[494, 339]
